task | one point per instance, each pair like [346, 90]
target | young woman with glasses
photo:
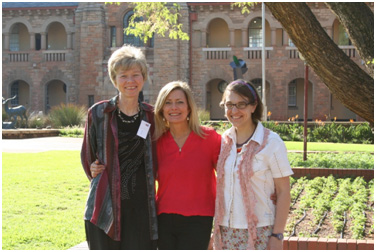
[252, 164]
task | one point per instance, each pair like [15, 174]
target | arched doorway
[19, 38]
[56, 94]
[21, 90]
[257, 83]
[339, 111]
[218, 33]
[214, 92]
[296, 99]
[56, 37]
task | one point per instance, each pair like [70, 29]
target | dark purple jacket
[100, 142]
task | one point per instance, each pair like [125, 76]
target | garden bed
[28, 133]
[337, 199]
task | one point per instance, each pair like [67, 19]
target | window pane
[255, 33]
[113, 36]
[292, 93]
[14, 92]
[131, 39]
[343, 37]
[14, 44]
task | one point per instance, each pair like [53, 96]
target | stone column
[43, 45]
[69, 40]
[32, 41]
[245, 37]
[203, 38]
[119, 36]
[329, 31]
[273, 36]
[232, 37]
[285, 38]
[6, 41]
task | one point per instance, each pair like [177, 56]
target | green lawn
[341, 147]
[44, 197]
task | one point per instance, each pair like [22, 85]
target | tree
[156, 17]
[351, 85]
[345, 79]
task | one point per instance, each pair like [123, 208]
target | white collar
[258, 135]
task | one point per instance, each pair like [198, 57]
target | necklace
[134, 117]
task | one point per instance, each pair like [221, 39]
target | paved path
[41, 144]
[81, 246]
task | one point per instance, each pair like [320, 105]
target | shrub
[332, 160]
[72, 132]
[323, 132]
[66, 115]
[203, 115]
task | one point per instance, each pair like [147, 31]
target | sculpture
[14, 112]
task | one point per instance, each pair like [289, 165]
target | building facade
[57, 53]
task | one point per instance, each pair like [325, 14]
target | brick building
[57, 53]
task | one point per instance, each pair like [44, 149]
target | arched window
[292, 94]
[14, 43]
[131, 39]
[255, 33]
[14, 92]
[343, 37]
[258, 85]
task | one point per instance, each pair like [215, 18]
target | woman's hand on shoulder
[96, 168]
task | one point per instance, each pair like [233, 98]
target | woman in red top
[187, 156]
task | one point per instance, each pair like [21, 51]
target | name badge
[144, 129]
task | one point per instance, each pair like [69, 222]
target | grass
[44, 197]
[332, 160]
[340, 147]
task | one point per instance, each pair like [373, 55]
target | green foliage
[4, 115]
[244, 6]
[333, 160]
[37, 122]
[156, 17]
[67, 115]
[334, 147]
[71, 132]
[43, 197]
[203, 115]
[323, 132]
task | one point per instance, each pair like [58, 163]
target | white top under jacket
[271, 162]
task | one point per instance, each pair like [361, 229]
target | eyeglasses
[239, 105]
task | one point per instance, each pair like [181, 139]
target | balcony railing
[18, 57]
[256, 52]
[54, 56]
[293, 52]
[349, 50]
[216, 53]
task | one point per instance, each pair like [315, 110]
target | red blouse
[186, 177]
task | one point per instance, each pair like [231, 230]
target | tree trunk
[357, 18]
[344, 78]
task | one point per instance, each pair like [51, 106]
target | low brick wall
[28, 133]
[302, 243]
[325, 172]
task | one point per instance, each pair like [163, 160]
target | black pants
[135, 232]
[184, 232]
